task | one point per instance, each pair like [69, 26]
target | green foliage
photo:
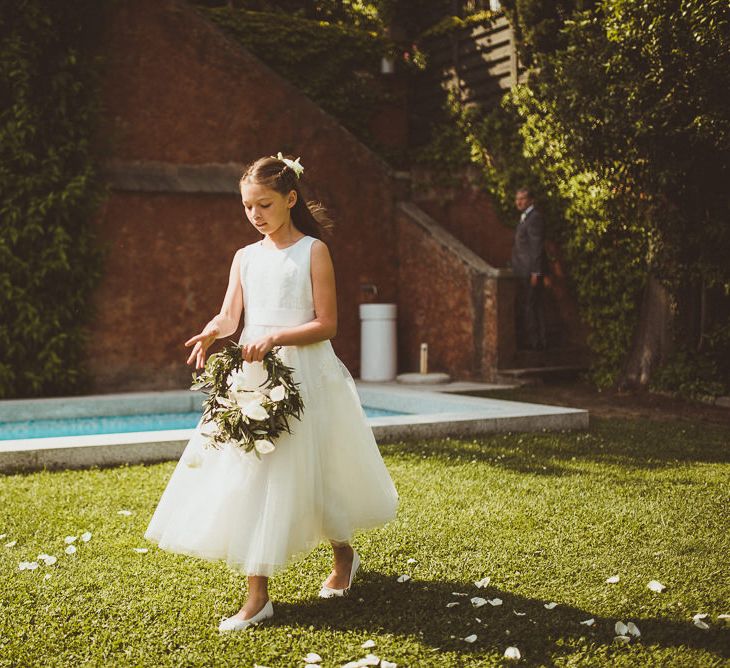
[302, 51]
[226, 382]
[49, 189]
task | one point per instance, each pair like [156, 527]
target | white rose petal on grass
[453, 604]
[471, 638]
[49, 559]
[404, 578]
[620, 628]
[613, 580]
[512, 654]
[254, 410]
[70, 549]
[519, 614]
[633, 629]
[478, 602]
[3, 535]
[313, 657]
[588, 622]
[368, 644]
[656, 586]
[12, 543]
[126, 513]
[411, 561]
[483, 582]
[701, 625]
[47, 576]
[724, 616]
[388, 664]
[458, 593]
[700, 615]
[69, 539]
[86, 536]
[277, 393]
[550, 606]
[495, 601]
[622, 639]
[141, 550]
[369, 660]
[27, 565]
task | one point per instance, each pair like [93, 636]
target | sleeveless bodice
[277, 284]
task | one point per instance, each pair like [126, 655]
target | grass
[547, 516]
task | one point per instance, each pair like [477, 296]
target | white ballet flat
[237, 624]
[328, 592]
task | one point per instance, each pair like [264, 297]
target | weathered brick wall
[177, 91]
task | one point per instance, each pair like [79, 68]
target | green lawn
[548, 517]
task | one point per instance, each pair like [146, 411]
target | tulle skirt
[322, 482]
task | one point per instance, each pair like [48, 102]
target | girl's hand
[255, 351]
[201, 342]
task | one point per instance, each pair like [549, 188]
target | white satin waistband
[282, 317]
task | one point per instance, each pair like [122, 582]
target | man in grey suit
[529, 264]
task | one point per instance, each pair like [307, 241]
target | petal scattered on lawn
[86, 536]
[620, 628]
[478, 602]
[3, 535]
[49, 559]
[12, 543]
[700, 615]
[633, 629]
[495, 601]
[613, 580]
[404, 578]
[550, 606]
[519, 614]
[588, 622]
[141, 550]
[368, 644]
[47, 576]
[700, 624]
[70, 549]
[458, 593]
[512, 654]
[724, 616]
[69, 539]
[370, 660]
[656, 586]
[452, 604]
[127, 513]
[313, 657]
[388, 664]
[411, 561]
[483, 582]
[622, 639]
[27, 565]
[471, 638]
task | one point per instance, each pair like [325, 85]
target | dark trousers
[530, 312]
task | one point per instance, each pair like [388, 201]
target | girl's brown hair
[309, 218]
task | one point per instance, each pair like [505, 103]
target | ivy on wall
[335, 65]
[49, 189]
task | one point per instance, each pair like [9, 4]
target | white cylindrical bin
[378, 360]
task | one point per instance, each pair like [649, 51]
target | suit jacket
[528, 250]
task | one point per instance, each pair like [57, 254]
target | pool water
[117, 424]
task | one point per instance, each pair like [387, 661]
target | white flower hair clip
[294, 165]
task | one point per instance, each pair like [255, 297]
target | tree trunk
[653, 339]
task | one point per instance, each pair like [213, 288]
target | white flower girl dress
[323, 481]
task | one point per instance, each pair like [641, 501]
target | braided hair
[309, 218]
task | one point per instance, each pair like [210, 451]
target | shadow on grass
[379, 604]
[634, 444]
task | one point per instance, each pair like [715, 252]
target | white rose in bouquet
[250, 377]
[277, 393]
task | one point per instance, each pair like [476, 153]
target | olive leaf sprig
[250, 419]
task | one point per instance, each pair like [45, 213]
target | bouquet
[248, 403]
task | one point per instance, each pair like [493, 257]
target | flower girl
[323, 480]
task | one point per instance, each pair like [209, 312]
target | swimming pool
[117, 424]
[148, 427]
